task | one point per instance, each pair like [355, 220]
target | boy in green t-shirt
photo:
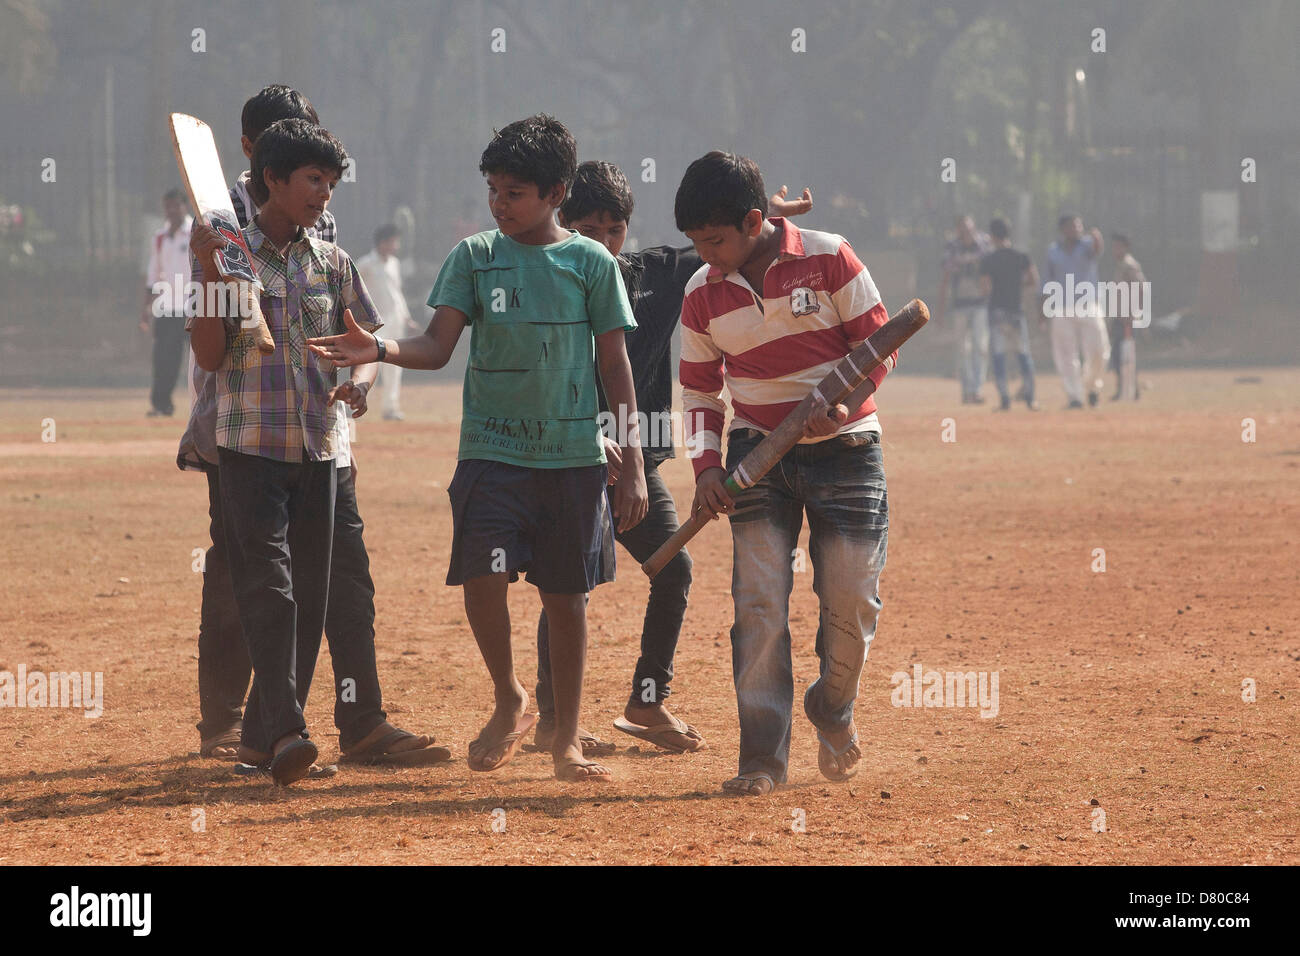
[529, 489]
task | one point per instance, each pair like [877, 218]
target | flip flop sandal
[315, 772]
[592, 746]
[828, 758]
[661, 735]
[742, 785]
[293, 762]
[229, 737]
[510, 741]
[379, 753]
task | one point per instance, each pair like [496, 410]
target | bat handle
[668, 550]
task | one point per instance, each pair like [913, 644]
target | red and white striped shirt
[818, 304]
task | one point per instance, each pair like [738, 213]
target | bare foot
[749, 785]
[592, 746]
[498, 740]
[678, 737]
[572, 767]
[838, 753]
[401, 745]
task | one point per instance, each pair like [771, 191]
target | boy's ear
[753, 223]
[268, 177]
[247, 145]
[557, 195]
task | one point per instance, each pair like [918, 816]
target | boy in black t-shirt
[1004, 275]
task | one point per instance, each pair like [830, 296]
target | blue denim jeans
[972, 325]
[1008, 329]
[842, 488]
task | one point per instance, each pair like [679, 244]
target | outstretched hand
[782, 207]
[356, 346]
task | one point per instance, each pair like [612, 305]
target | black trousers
[169, 341]
[279, 525]
[224, 667]
[664, 610]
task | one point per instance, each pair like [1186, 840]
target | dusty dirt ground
[1121, 690]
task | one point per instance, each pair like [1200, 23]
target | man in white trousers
[382, 273]
[1070, 300]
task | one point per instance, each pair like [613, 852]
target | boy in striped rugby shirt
[768, 315]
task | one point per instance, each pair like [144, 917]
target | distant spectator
[381, 271]
[1070, 301]
[1005, 273]
[961, 282]
[1124, 351]
[169, 263]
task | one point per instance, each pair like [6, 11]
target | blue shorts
[552, 523]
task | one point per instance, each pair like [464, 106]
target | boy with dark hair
[773, 309]
[275, 427]
[365, 734]
[1004, 275]
[169, 264]
[600, 206]
[529, 489]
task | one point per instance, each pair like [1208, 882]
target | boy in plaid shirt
[275, 427]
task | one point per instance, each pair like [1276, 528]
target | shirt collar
[256, 238]
[789, 246]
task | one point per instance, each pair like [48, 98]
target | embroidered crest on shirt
[803, 301]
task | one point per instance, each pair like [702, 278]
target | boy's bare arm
[430, 350]
[208, 333]
[631, 499]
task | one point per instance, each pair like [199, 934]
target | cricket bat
[838, 385]
[196, 155]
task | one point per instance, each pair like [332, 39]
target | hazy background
[1012, 91]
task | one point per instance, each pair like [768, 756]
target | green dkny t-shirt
[533, 311]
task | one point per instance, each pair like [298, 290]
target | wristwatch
[383, 349]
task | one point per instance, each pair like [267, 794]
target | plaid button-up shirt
[198, 448]
[275, 406]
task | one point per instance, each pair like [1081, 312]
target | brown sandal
[509, 741]
[383, 749]
[228, 739]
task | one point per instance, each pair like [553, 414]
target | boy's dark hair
[272, 104]
[385, 232]
[598, 187]
[1121, 237]
[719, 189]
[998, 229]
[537, 150]
[290, 144]
[1064, 218]
[174, 193]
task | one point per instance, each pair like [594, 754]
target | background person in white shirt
[382, 273]
[169, 262]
